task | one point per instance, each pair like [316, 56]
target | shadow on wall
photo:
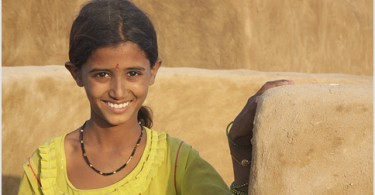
[311, 36]
[10, 184]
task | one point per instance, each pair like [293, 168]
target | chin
[110, 120]
[119, 120]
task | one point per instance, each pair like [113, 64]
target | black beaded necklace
[84, 154]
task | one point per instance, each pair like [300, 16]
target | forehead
[124, 53]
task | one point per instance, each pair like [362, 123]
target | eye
[133, 73]
[102, 75]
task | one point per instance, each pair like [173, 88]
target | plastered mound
[41, 102]
[314, 139]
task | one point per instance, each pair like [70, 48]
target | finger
[282, 82]
[271, 84]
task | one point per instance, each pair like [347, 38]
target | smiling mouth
[117, 106]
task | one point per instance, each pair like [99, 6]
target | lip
[117, 107]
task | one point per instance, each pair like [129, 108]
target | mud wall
[313, 36]
[314, 139]
[41, 102]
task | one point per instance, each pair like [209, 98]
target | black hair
[103, 23]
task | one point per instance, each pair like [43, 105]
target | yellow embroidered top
[154, 174]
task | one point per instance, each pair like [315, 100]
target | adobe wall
[314, 139]
[313, 36]
[41, 102]
[270, 39]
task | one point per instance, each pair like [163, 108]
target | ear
[154, 71]
[75, 72]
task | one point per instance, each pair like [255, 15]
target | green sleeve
[25, 186]
[199, 177]
[30, 180]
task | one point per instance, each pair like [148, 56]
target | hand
[241, 130]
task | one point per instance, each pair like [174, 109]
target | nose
[117, 90]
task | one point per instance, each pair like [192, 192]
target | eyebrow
[135, 68]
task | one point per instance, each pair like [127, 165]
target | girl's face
[116, 80]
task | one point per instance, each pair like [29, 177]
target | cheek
[96, 89]
[140, 89]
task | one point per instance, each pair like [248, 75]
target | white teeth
[118, 106]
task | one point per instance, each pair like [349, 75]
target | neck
[106, 136]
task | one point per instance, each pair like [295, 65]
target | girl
[113, 54]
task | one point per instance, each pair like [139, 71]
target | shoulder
[181, 151]
[44, 148]
[71, 142]
[44, 154]
[175, 147]
[193, 174]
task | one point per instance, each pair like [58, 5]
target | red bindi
[117, 68]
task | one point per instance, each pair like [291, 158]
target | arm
[30, 183]
[240, 134]
[25, 186]
[194, 175]
[201, 178]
